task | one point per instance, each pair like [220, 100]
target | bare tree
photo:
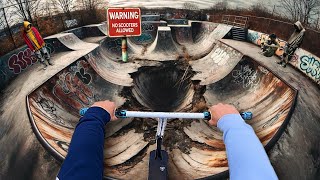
[66, 6]
[47, 9]
[92, 4]
[25, 9]
[190, 6]
[260, 9]
[301, 10]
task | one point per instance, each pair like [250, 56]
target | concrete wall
[13, 63]
[303, 60]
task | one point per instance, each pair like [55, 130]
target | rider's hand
[109, 106]
[219, 110]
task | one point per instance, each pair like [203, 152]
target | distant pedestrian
[35, 42]
[270, 47]
[293, 43]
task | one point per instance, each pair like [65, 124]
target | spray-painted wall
[12, 64]
[303, 60]
[307, 63]
[15, 62]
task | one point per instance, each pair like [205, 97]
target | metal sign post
[124, 22]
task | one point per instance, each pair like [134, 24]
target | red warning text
[124, 22]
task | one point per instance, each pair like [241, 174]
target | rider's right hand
[109, 106]
[219, 110]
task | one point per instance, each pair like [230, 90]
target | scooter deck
[158, 167]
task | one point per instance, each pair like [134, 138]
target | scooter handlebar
[205, 115]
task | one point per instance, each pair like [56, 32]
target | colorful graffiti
[258, 38]
[253, 36]
[20, 61]
[23, 59]
[73, 88]
[302, 60]
[310, 66]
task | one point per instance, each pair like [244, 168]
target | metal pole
[124, 49]
[8, 27]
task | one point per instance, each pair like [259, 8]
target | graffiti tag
[19, 62]
[23, 59]
[71, 23]
[311, 66]
[253, 36]
[144, 38]
[72, 88]
[49, 107]
[114, 45]
[220, 56]
[247, 77]
[147, 27]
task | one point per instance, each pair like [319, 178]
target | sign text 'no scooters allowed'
[124, 22]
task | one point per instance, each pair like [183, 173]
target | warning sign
[124, 22]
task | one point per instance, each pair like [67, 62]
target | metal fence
[12, 17]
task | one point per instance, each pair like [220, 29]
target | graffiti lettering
[253, 36]
[265, 37]
[247, 77]
[84, 77]
[68, 38]
[63, 145]
[49, 107]
[73, 90]
[272, 121]
[114, 45]
[71, 23]
[311, 66]
[20, 61]
[219, 56]
[147, 27]
[144, 38]
[263, 70]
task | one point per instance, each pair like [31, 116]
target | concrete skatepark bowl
[176, 68]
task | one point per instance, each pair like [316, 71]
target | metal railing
[233, 20]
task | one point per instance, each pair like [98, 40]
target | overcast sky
[179, 3]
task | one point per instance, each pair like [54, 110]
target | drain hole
[164, 88]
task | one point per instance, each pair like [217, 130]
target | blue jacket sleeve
[85, 155]
[247, 158]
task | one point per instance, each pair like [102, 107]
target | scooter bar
[169, 115]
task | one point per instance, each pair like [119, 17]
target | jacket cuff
[99, 113]
[229, 121]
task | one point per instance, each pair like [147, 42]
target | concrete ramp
[66, 41]
[199, 37]
[111, 71]
[96, 30]
[164, 48]
[161, 86]
[149, 32]
[209, 68]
